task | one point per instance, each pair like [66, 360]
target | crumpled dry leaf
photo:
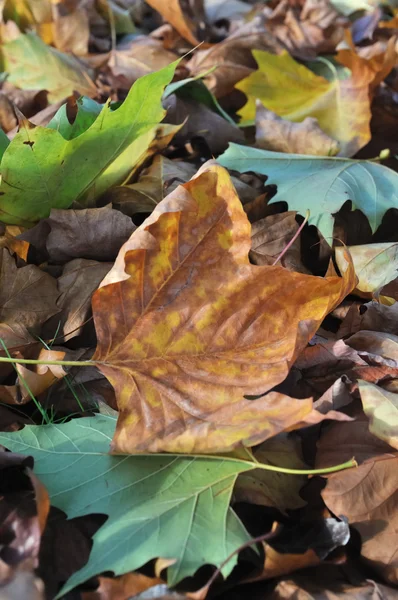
[189, 19]
[122, 588]
[307, 28]
[233, 57]
[195, 335]
[154, 183]
[280, 135]
[90, 233]
[140, 56]
[269, 488]
[24, 507]
[200, 121]
[307, 544]
[325, 584]
[367, 495]
[70, 27]
[27, 295]
[271, 235]
[79, 280]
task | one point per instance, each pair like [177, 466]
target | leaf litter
[198, 323]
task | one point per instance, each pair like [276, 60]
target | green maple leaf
[320, 184]
[169, 506]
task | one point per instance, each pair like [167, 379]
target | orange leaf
[187, 326]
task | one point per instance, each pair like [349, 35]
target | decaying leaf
[34, 66]
[27, 295]
[281, 135]
[190, 29]
[269, 488]
[203, 327]
[313, 96]
[368, 495]
[24, 506]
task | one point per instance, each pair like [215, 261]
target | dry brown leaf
[269, 488]
[309, 28]
[182, 348]
[271, 235]
[154, 183]
[202, 122]
[233, 57]
[188, 19]
[79, 280]
[280, 135]
[367, 495]
[121, 588]
[141, 56]
[27, 295]
[93, 233]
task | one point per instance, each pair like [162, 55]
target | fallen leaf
[313, 96]
[154, 183]
[24, 506]
[184, 347]
[367, 495]
[190, 21]
[114, 143]
[281, 135]
[33, 65]
[70, 28]
[141, 56]
[307, 28]
[37, 380]
[269, 488]
[200, 121]
[320, 185]
[270, 236]
[93, 233]
[375, 344]
[232, 57]
[27, 295]
[324, 585]
[72, 459]
[121, 588]
[375, 264]
[381, 407]
[79, 280]
[301, 546]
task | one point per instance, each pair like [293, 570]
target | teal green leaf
[32, 65]
[320, 184]
[42, 170]
[174, 507]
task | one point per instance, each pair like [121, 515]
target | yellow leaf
[341, 107]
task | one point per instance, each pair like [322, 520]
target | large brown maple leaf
[187, 327]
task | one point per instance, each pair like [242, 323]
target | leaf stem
[347, 465]
[61, 363]
[294, 238]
